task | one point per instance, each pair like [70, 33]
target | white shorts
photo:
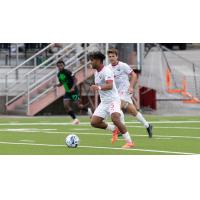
[125, 97]
[106, 109]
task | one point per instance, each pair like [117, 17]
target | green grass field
[46, 136]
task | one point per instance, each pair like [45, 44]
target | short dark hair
[60, 62]
[97, 55]
[113, 50]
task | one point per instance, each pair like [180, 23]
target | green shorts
[74, 96]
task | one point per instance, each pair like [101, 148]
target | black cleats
[149, 131]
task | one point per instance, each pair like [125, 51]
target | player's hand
[72, 90]
[130, 90]
[57, 85]
[94, 87]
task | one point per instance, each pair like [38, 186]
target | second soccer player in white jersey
[110, 100]
[122, 73]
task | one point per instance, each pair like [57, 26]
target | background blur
[168, 76]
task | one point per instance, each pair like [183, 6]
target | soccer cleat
[128, 145]
[149, 131]
[115, 135]
[76, 122]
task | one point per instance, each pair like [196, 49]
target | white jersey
[121, 73]
[101, 77]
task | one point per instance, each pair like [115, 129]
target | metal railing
[31, 81]
[49, 76]
[19, 83]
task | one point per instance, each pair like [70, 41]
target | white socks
[110, 127]
[127, 137]
[122, 117]
[142, 120]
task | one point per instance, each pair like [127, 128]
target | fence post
[6, 88]
[85, 52]
[28, 94]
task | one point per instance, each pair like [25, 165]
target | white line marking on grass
[87, 123]
[170, 136]
[27, 141]
[18, 131]
[178, 136]
[136, 135]
[167, 127]
[104, 134]
[95, 147]
[33, 144]
[135, 149]
[26, 130]
[81, 129]
[80, 133]
[158, 138]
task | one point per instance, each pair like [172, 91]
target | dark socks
[72, 114]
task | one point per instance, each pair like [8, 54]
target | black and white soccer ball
[72, 141]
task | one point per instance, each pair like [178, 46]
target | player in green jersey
[68, 81]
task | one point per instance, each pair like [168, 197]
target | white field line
[158, 138]
[27, 141]
[167, 127]
[26, 130]
[100, 134]
[143, 150]
[95, 147]
[157, 127]
[87, 123]
[19, 131]
[154, 136]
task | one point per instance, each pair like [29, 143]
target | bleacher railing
[46, 72]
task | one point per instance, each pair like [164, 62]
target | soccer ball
[72, 141]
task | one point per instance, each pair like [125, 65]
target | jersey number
[75, 97]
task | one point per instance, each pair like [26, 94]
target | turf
[46, 136]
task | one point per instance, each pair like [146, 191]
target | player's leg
[97, 122]
[69, 110]
[99, 115]
[133, 111]
[76, 100]
[115, 116]
[84, 107]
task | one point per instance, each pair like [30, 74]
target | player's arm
[132, 75]
[58, 85]
[133, 81]
[107, 86]
[75, 83]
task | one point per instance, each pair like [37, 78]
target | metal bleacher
[29, 86]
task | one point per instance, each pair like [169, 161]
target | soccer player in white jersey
[110, 100]
[122, 73]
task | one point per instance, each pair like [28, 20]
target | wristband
[99, 87]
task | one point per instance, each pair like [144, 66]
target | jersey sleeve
[127, 69]
[68, 73]
[58, 76]
[108, 74]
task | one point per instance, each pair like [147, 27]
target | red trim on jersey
[100, 68]
[109, 81]
[116, 64]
